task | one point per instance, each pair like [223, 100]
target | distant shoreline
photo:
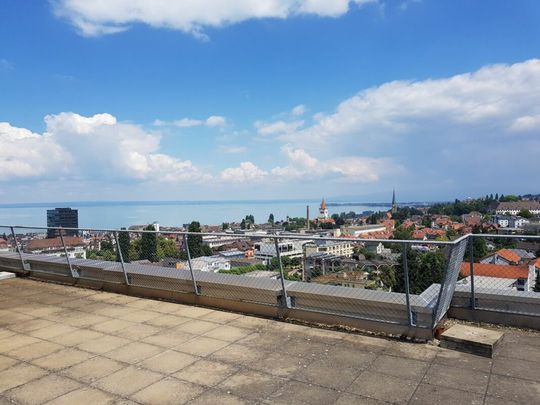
[203, 202]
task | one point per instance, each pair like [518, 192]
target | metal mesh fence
[500, 273]
[399, 282]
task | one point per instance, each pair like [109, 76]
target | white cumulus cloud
[479, 105]
[246, 172]
[75, 146]
[277, 127]
[95, 18]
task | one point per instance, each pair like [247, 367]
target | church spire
[394, 204]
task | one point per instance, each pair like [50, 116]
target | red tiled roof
[51, 243]
[495, 270]
[537, 263]
[508, 255]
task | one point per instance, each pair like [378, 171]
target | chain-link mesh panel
[448, 284]
[504, 275]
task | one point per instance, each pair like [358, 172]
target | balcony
[66, 345]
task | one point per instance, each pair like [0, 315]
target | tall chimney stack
[307, 216]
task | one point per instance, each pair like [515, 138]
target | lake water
[124, 214]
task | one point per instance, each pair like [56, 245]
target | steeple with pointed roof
[323, 211]
[394, 204]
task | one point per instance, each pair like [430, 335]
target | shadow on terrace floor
[67, 345]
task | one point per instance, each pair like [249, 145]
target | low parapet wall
[505, 307]
[375, 311]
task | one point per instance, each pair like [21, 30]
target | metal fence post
[73, 273]
[195, 286]
[471, 264]
[121, 257]
[407, 288]
[18, 247]
[282, 276]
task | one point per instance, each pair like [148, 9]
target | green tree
[480, 249]
[166, 248]
[243, 224]
[225, 226]
[195, 242]
[525, 213]
[271, 219]
[509, 198]
[149, 245]
[123, 246]
[425, 269]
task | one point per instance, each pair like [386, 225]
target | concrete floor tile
[42, 390]
[383, 387]
[93, 369]
[457, 378]
[192, 312]
[201, 346]
[281, 364]
[16, 341]
[227, 333]
[219, 397]
[514, 389]
[432, 394]
[6, 362]
[467, 361]
[299, 392]
[529, 370]
[400, 367]
[127, 381]
[140, 316]
[133, 352]
[238, 355]
[85, 395]
[62, 359]
[323, 373]
[137, 331]
[52, 331]
[206, 372]
[168, 361]
[168, 339]
[35, 350]
[168, 391]
[168, 321]
[111, 325]
[351, 399]
[77, 337]
[251, 385]
[31, 325]
[220, 317]
[415, 351]
[196, 327]
[103, 344]
[19, 374]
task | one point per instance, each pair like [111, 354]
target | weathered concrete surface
[67, 345]
[470, 339]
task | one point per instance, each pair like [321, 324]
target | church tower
[394, 204]
[323, 211]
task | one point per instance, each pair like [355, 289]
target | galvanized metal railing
[410, 311]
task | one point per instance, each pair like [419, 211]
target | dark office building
[64, 217]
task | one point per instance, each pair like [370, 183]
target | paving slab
[173, 353]
[471, 339]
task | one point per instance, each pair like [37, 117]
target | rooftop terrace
[66, 345]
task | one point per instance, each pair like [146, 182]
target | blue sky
[263, 99]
